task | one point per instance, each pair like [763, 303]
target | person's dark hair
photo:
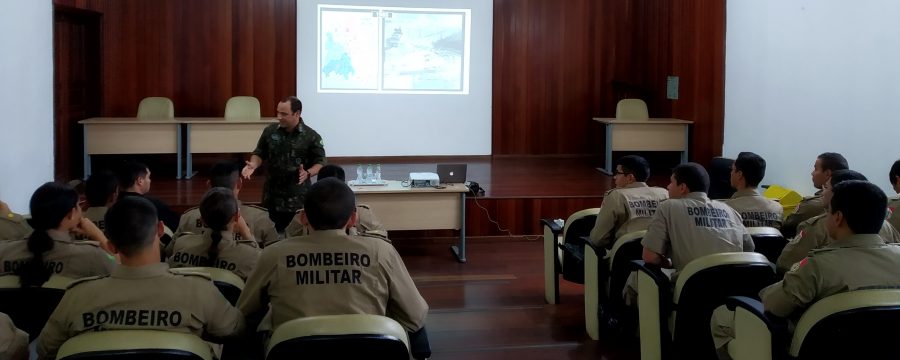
[862, 204]
[329, 204]
[99, 187]
[833, 161]
[129, 172]
[895, 172]
[752, 166]
[49, 205]
[217, 209]
[635, 165]
[296, 104]
[332, 170]
[840, 176]
[224, 174]
[693, 175]
[131, 224]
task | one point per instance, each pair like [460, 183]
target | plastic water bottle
[370, 177]
[359, 174]
[378, 173]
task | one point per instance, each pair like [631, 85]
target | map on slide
[424, 51]
[349, 49]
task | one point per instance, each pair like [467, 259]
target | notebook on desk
[451, 173]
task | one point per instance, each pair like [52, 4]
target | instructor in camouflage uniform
[294, 153]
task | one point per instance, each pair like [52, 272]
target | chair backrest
[767, 241]
[578, 224]
[155, 107]
[242, 107]
[135, 345]
[720, 178]
[339, 337]
[228, 283]
[703, 285]
[856, 324]
[632, 109]
[29, 308]
[625, 249]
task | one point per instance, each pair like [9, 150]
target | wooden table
[645, 135]
[206, 135]
[131, 136]
[400, 207]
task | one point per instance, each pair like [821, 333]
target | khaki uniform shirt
[693, 226]
[813, 235]
[894, 209]
[367, 224]
[283, 153]
[13, 342]
[329, 272]
[13, 227]
[140, 298]
[809, 207]
[855, 262]
[74, 259]
[94, 214]
[257, 219]
[626, 210]
[756, 210]
[190, 250]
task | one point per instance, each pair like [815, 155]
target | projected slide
[395, 50]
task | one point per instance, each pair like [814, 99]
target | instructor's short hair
[296, 104]
[693, 175]
[329, 204]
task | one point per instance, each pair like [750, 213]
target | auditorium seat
[632, 109]
[564, 250]
[228, 283]
[155, 107]
[29, 308]
[768, 241]
[352, 336]
[605, 273]
[851, 325]
[720, 178]
[135, 345]
[674, 324]
[242, 107]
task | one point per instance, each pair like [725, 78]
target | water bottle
[378, 173]
[370, 178]
[359, 174]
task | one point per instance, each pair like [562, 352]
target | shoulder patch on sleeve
[83, 280]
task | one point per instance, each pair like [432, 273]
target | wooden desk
[645, 135]
[207, 135]
[131, 136]
[404, 208]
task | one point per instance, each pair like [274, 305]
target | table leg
[87, 157]
[178, 152]
[607, 165]
[687, 142]
[460, 251]
[190, 158]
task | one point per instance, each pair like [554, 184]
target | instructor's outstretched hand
[248, 170]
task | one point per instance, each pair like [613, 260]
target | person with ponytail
[50, 250]
[217, 247]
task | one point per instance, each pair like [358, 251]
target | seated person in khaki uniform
[226, 174]
[813, 232]
[12, 226]
[857, 258]
[367, 223]
[630, 206]
[329, 272]
[141, 293]
[217, 247]
[134, 180]
[13, 342]
[811, 206]
[50, 249]
[747, 172]
[101, 191]
[894, 201]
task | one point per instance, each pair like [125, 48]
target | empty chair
[720, 178]
[604, 280]
[851, 325]
[675, 323]
[564, 250]
[155, 107]
[352, 336]
[768, 241]
[242, 107]
[228, 283]
[632, 109]
[135, 345]
[29, 308]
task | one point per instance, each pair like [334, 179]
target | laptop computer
[451, 173]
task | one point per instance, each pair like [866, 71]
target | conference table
[654, 134]
[129, 135]
[400, 207]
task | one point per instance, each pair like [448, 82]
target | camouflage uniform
[283, 154]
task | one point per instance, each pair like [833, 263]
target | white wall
[807, 76]
[26, 99]
[399, 124]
